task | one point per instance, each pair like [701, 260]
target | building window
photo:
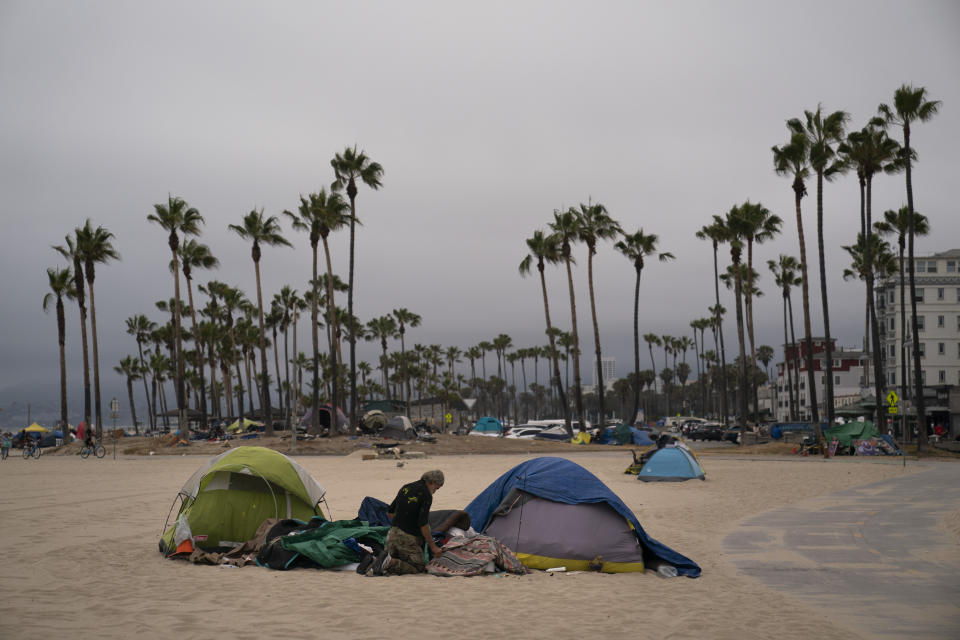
[893, 323]
[803, 401]
[823, 379]
[921, 323]
[891, 296]
[893, 378]
[941, 321]
[802, 383]
[941, 348]
[951, 266]
[893, 351]
[921, 265]
[923, 349]
[836, 363]
[939, 293]
[943, 376]
[836, 379]
[919, 294]
[931, 266]
[923, 376]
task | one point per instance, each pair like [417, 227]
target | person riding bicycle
[88, 439]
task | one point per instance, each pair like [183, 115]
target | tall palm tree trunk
[828, 343]
[352, 194]
[719, 330]
[636, 352]
[315, 335]
[263, 386]
[805, 295]
[62, 341]
[332, 329]
[578, 390]
[922, 439]
[786, 361]
[96, 361]
[904, 390]
[198, 344]
[557, 382]
[133, 407]
[183, 426]
[796, 360]
[742, 368]
[596, 339]
[748, 299]
[151, 419]
[878, 382]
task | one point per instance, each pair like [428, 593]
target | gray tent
[398, 428]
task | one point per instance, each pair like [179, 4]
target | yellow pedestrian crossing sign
[892, 399]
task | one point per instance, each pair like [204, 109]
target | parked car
[524, 431]
[707, 431]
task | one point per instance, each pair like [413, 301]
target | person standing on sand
[409, 527]
[5, 445]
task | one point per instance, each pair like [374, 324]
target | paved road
[871, 558]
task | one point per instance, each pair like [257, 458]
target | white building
[608, 366]
[848, 379]
[938, 321]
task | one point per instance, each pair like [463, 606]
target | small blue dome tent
[671, 464]
[488, 426]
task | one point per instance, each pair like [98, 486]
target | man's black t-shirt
[411, 507]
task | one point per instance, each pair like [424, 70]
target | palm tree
[899, 222]
[95, 247]
[140, 327]
[759, 226]
[717, 233]
[593, 224]
[785, 276]
[405, 318]
[194, 255]
[383, 328]
[823, 131]
[500, 344]
[261, 230]
[636, 247]
[791, 160]
[320, 214]
[350, 167]
[565, 226]
[910, 104]
[70, 251]
[737, 231]
[653, 339]
[129, 368]
[177, 217]
[700, 324]
[870, 150]
[61, 286]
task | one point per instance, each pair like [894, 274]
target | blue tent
[615, 435]
[671, 464]
[488, 426]
[561, 481]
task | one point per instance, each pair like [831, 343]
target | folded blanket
[474, 556]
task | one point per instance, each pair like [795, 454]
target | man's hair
[433, 477]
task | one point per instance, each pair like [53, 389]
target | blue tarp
[637, 436]
[374, 512]
[671, 464]
[567, 482]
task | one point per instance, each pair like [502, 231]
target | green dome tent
[227, 498]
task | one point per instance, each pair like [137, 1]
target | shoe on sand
[381, 563]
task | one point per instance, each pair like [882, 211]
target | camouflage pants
[406, 552]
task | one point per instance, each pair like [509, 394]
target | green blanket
[324, 545]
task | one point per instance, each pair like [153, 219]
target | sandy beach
[80, 542]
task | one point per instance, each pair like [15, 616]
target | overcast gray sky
[486, 117]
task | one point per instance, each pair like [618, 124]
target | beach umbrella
[36, 428]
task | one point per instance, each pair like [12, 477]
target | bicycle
[98, 450]
[31, 449]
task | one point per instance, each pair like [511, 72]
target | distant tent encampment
[671, 464]
[552, 512]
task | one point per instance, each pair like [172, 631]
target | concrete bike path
[872, 558]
